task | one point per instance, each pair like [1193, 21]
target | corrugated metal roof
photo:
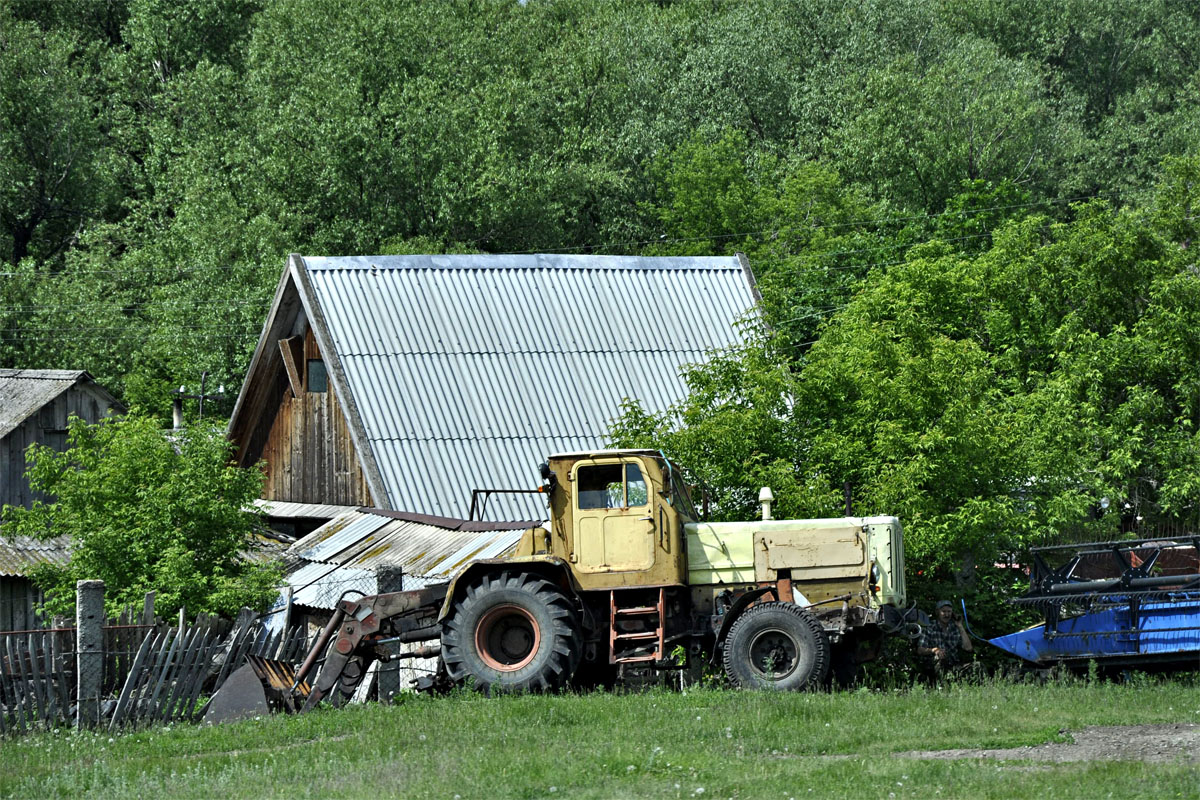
[20, 554]
[276, 508]
[24, 391]
[343, 554]
[468, 370]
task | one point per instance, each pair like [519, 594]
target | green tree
[991, 397]
[53, 171]
[147, 512]
[919, 129]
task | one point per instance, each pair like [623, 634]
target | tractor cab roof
[607, 453]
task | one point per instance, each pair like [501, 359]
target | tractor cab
[620, 514]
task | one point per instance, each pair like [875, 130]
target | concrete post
[389, 578]
[89, 650]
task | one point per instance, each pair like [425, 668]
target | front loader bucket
[259, 686]
[241, 696]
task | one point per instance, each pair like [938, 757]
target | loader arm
[357, 625]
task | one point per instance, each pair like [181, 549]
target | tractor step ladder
[629, 646]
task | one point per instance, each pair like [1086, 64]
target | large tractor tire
[511, 632]
[776, 646]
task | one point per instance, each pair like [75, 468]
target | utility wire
[772, 232]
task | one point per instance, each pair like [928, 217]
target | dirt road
[1152, 743]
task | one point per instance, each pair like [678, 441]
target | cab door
[614, 526]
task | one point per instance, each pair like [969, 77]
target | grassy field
[658, 744]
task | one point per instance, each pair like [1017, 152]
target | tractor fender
[735, 610]
[552, 568]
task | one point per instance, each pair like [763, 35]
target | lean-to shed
[405, 382]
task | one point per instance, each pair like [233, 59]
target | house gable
[36, 406]
[307, 450]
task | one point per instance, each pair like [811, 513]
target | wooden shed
[35, 405]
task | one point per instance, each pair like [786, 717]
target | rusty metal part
[356, 621]
[783, 589]
[427, 651]
[507, 638]
[279, 681]
[319, 646]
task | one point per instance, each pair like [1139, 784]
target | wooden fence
[154, 672]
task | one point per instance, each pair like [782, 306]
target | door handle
[645, 519]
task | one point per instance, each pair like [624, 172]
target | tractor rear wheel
[776, 646]
[512, 632]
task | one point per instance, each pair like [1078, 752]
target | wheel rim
[507, 638]
[774, 655]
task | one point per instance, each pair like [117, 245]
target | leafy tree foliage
[53, 175]
[179, 152]
[992, 398]
[146, 512]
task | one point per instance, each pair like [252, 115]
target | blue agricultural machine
[1131, 604]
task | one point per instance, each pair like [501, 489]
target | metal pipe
[1117, 584]
[425, 634]
[318, 648]
[428, 651]
[1125, 632]
[1183, 540]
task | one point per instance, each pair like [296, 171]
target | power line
[131, 306]
[772, 232]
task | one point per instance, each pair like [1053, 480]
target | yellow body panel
[720, 553]
[822, 557]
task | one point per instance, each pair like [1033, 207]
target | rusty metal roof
[19, 555]
[343, 554]
[467, 370]
[24, 391]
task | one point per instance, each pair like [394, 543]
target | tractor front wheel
[512, 632]
[776, 646]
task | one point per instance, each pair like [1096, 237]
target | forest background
[972, 223]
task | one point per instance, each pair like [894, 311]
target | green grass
[708, 744]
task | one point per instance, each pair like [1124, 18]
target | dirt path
[1153, 743]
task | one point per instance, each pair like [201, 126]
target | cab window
[612, 486]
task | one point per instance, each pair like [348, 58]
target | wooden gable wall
[47, 426]
[309, 455]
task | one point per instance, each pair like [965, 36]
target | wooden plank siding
[18, 599]
[46, 426]
[309, 455]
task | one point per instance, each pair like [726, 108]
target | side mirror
[544, 467]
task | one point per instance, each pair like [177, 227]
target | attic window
[318, 380]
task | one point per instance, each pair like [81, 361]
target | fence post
[389, 578]
[89, 650]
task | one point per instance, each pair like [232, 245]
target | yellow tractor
[622, 581]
